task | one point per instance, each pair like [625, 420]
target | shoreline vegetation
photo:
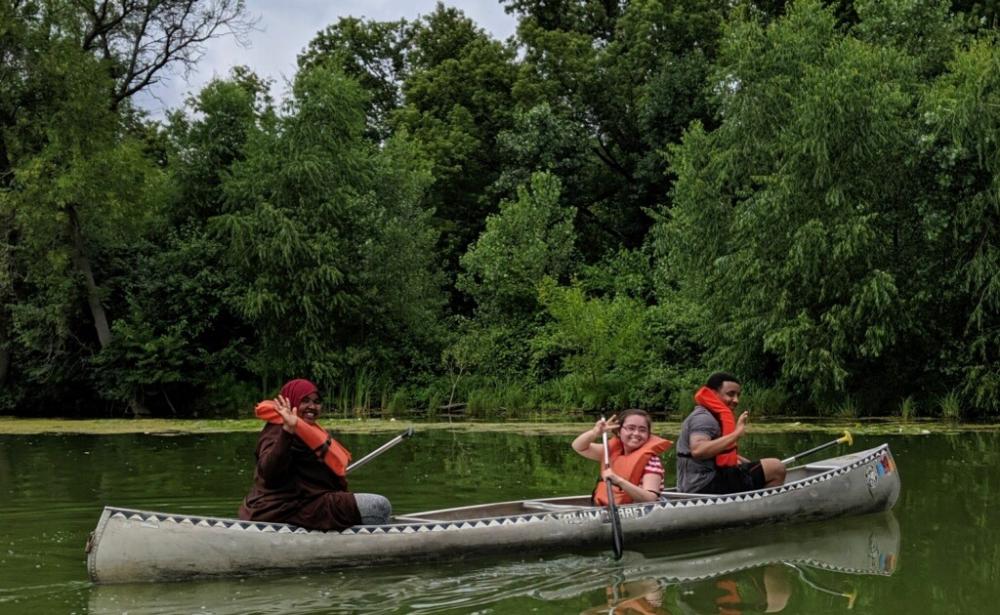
[174, 427]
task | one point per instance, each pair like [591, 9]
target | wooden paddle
[375, 453]
[617, 540]
[844, 439]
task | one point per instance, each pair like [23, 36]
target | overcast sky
[285, 27]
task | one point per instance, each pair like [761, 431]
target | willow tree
[331, 240]
[961, 123]
[799, 223]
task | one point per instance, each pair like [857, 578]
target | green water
[937, 552]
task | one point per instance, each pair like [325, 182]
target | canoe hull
[131, 545]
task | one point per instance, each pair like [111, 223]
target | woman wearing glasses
[636, 472]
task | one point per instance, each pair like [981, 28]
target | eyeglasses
[635, 428]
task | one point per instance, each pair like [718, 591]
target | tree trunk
[82, 264]
[4, 365]
[6, 261]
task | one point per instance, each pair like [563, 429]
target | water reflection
[765, 589]
[740, 571]
[757, 571]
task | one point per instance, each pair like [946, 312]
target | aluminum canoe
[866, 545]
[134, 545]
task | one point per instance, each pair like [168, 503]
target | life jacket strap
[323, 448]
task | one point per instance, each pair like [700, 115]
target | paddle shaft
[617, 540]
[846, 438]
[375, 453]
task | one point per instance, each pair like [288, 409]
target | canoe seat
[406, 519]
[532, 505]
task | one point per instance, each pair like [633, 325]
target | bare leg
[774, 472]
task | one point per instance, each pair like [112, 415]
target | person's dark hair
[715, 380]
[636, 411]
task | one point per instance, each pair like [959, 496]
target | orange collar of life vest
[709, 399]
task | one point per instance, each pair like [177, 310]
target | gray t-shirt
[694, 474]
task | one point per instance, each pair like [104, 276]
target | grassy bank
[167, 427]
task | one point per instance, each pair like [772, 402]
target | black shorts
[747, 476]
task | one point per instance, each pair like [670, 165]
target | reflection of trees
[202, 474]
[949, 496]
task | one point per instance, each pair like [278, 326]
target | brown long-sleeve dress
[292, 486]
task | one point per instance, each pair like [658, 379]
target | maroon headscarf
[295, 390]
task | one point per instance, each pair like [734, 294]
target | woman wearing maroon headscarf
[300, 474]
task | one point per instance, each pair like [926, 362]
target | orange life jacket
[327, 450]
[709, 399]
[730, 601]
[629, 467]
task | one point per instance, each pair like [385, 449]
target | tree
[447, 84]
[375, 54]
[959, 137]
[72, 166]
[529, 239]
[138, 40]
[595, 18]
[600, 344]
[330, 239]
[74, 179]
[800, 223]
[179, 346]
[457, 99]
[630, 76]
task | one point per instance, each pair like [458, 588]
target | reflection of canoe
[865, 545]
[131, 545]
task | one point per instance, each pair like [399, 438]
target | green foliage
[77, 188]
[372, 53]
[543, 140]
[457, 99]
[846, 409]
[764, 401]
[499, 400]
[950, 405]
[529, 238]
[631, 78]
[797, 223]
[599, 344]
[908, 408]
[357, 397]
[960, 124]
[329, 238]
[178, 344]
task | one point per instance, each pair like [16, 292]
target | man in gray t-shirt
[701, 440]
[694, 474]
